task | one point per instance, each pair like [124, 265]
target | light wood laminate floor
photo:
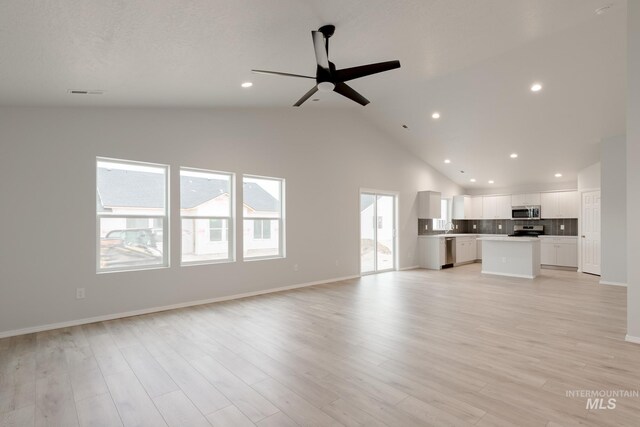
[413, 348]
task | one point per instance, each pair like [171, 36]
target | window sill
[266, 258]
[128, 270]
[212, 262]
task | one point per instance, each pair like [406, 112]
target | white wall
[633, 171]
[614, 210]
[47, 214]
[531, 188]
[589, 178]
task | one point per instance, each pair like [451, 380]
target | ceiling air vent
[85, 92]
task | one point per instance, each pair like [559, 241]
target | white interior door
[590, 237]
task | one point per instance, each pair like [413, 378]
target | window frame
[281, 221]
[231, 245]
[439, 224]
[166, 254]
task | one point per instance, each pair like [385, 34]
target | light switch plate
[499, 226]
[474, 226]
[561, 226]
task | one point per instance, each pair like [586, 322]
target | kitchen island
[511, 256]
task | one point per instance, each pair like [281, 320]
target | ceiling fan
[327, 77]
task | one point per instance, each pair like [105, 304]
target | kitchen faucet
[450, 228]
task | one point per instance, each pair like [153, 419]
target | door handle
[584, 237]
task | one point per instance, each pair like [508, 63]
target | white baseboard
[520, 276]
[413, 267]
[635, 340]
[50, 326]
[609, 283]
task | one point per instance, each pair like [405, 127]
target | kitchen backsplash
[490, 226]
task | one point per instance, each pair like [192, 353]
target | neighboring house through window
[263, 211]
[206, 210]
[131, 215]
[262, 229]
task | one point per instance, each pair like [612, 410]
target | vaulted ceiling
[471, 60]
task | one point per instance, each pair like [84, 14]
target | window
[206, 211]
[131, 215]
[262, 229]
[263, 217]
[216, 229]
[445, 215]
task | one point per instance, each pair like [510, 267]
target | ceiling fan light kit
[328, 78]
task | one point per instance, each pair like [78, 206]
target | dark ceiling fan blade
[347, 74]
[306, 96]
[321, 50]
[346, 90]
[278, 73]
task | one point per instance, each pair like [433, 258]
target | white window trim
[166, 255]
[231, 250]
[281, 221]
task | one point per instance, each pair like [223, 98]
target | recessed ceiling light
[491, 181]
[447, 161]
[472, 180]
[514, 155]
[246, 84]
[436, 115]
[536, 87]
[558, 175]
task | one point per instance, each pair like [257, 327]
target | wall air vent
[85, 92]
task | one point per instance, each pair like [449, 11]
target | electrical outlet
[80, 293]
[456, 226]
[295, 267]
[499, 226]
[561, 226]
[426, 226]
[474, 226]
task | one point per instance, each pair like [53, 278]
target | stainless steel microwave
[525, 212]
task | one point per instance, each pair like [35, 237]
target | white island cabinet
[511, 256]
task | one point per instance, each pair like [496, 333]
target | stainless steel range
[527, 230]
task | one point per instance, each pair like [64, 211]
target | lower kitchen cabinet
[559, 251]
[465, 249]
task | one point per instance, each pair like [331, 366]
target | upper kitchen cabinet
[429, 203]
[476, 207]
[561, 204]
[529, 199]
[496, 207]
[471, 207]
[461, 207]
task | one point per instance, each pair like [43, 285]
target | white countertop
[509, 239]
[545, 236]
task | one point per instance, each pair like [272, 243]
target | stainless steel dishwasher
[450, 252]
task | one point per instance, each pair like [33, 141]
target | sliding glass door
[377, 232]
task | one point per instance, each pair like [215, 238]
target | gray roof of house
[123, 188]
